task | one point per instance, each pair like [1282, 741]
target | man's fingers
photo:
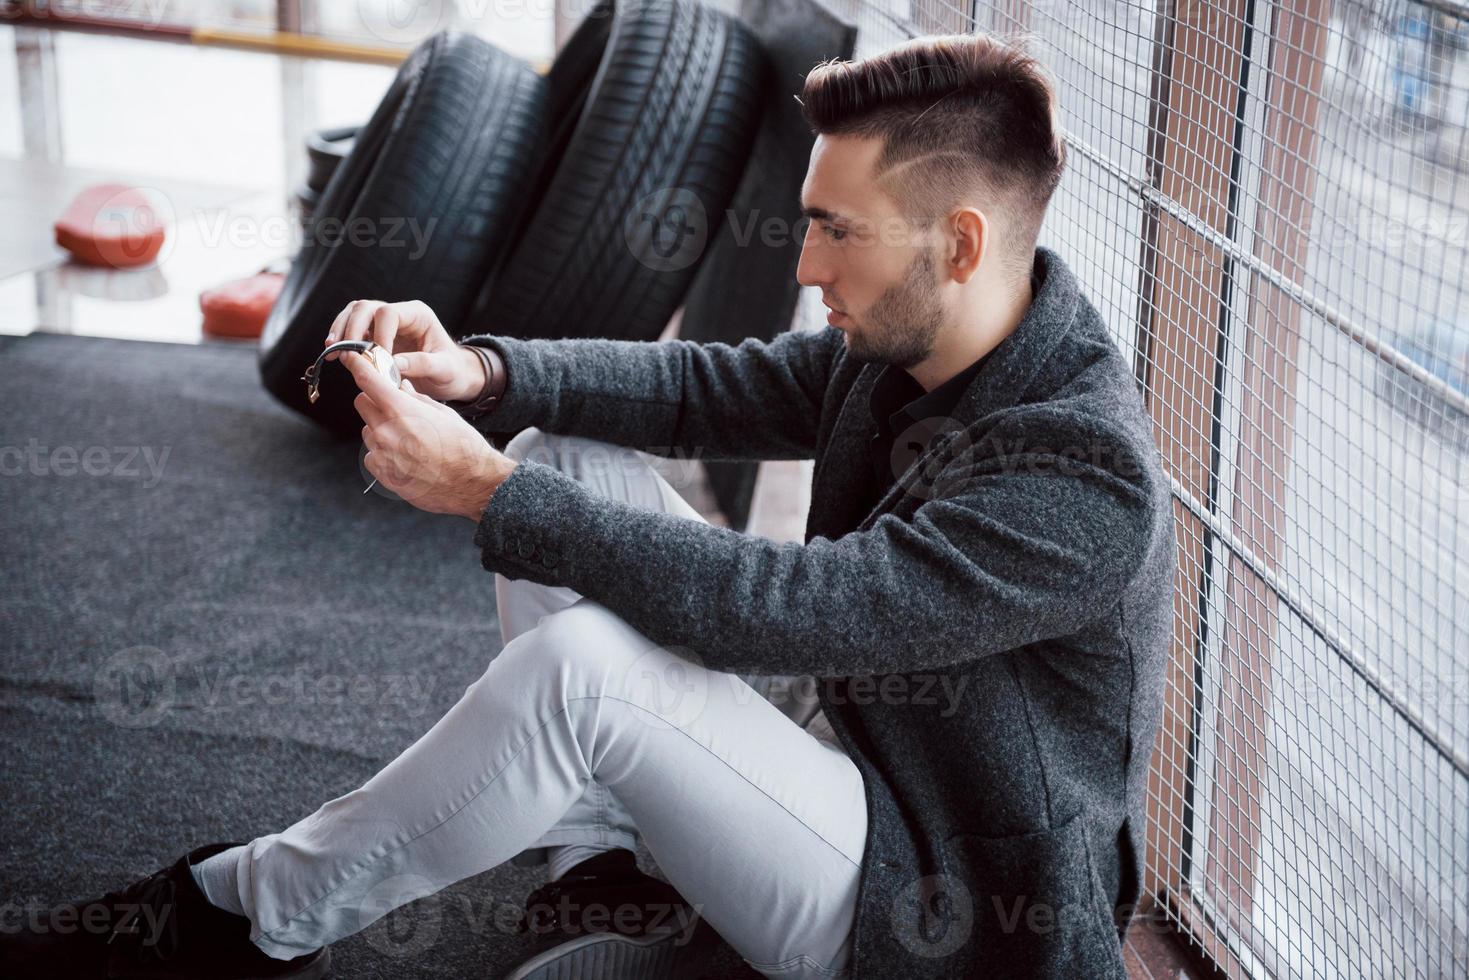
[368, 409]
[416, 365]
[369, 463]
[351, 324]
[384, 394]
[436, 369]
[335, 332]
[385, 322]
[359, 321]
[415, 319]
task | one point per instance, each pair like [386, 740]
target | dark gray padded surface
[250, 554]
[747, 285]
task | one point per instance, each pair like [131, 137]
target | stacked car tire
[577, 203]
[325, 151]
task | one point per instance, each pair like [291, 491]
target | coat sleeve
[757, 400]
[1025, 548]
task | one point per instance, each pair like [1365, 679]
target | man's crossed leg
[583, 735]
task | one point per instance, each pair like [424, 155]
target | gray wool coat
[1025, 559]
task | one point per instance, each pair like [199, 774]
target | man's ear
[969, 241]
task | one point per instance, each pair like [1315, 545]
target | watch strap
[495, 383]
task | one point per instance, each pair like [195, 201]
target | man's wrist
[496, 473]
[491, 375]
[473, 376]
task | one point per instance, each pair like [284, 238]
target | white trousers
[582, 735]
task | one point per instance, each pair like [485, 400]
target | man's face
[873, 267]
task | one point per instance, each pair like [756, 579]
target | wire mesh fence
[1269, 203]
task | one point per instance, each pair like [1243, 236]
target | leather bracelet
[494, 389]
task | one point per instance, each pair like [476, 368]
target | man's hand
[422, 450]
[422, 348]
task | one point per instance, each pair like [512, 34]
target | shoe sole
[611, 956]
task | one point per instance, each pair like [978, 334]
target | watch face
[382, 359]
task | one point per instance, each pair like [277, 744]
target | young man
[984, 591]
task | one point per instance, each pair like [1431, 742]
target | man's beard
[899, 328]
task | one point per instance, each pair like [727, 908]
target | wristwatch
[494, 388]
[381, 358]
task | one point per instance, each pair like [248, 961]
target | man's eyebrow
[822, 214]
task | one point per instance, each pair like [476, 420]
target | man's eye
[835, 234]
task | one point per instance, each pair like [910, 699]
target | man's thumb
[413, 365]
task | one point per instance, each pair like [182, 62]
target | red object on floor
[239, 308]
[112, 225]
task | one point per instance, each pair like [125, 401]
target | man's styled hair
[964, 117]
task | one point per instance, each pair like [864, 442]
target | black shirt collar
[898, 400]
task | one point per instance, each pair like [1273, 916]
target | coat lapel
[843, 478]
[1010, 374]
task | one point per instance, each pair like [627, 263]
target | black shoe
[159, 928]
[606, 920]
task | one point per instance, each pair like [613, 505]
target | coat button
[525, 548]
[548, 559]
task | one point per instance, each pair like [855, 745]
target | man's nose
[811, 270]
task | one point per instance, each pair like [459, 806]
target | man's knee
[583, 638]
[614, 471]
[587, 650]
[558, 449]
[529, 443]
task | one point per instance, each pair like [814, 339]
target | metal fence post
[1201, 61]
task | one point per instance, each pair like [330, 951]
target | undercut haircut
[965, 119]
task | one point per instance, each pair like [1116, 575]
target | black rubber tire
[450, 152]
[325, 151]
[306, 201]
[662, 132]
